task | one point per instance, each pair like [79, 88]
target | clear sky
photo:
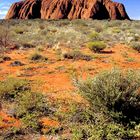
[132, 7]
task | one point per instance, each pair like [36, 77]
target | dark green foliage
[115, 103]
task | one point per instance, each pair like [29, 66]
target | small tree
[4, 38]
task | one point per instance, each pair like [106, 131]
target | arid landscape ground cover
[47, 65]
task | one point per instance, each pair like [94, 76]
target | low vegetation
[29, 107]
[10, 88]
[113, 97]
[136, 46]
[76, 55]
[5, 38]
[109, 108]
[96, 46]
[37, 57]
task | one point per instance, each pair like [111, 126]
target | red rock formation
[14, 10]
[115, 10]
[67, 9]
[28, 9]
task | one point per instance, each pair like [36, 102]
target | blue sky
[132, 7]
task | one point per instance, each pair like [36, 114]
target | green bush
[37, 57]
[28, 102]
[10, 87]
[96, 46]
[29, 108]
[19, 30]
[94, 36]
[136, 46]
[114, 95]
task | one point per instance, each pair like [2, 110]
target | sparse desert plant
[116, 30]
[10, 88]
[94, 36]
[30, 106]
[96, 46]
[27, 45]
[5, 38]
[42, 27]
[76, 55]
[135, 46]
[99, 28]
[115, 96]
[4, 58]
[19, 30]
[37, 57]
[40, 48]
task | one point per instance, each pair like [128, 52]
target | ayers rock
[67, 9]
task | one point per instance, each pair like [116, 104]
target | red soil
[54, 78]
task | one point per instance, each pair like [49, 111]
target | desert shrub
[16, 63]
[42, 27]
[96, 46]
[135, 46]
[76, 55]
[5, 38]
[10, 88]
[115, 103]
[99, 28]
[12, 133]
[94, 36]
[116, 30]
[19, 30]
[115, 23]
[37, 57]
[28, 102]
[40, 48]
[29, 108]
[4, 58]
[28, 45]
